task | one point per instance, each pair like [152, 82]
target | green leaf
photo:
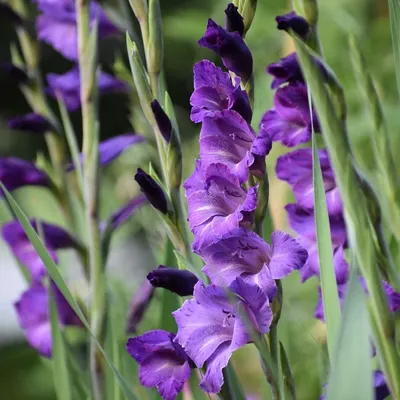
[72, 142]
[232, 385]
[394, 12]
[351, 374]
[61, 377]
[171, 301]
[56, 276]
[324, 241]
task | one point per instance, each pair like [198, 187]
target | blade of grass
[233, 386]
[324, 242]
[61, 377]
[394, 12]
[351, 374]
[57, 278]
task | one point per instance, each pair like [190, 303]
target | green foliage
[328, 278]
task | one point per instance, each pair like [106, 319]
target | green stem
[87, 66]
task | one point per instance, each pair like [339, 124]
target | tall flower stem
[87, 40]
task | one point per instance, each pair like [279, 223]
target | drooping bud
[178, 281]
[162, 119]
[139, 304]
[154, 193]
[233, 20]
[234, 52]
[31, 122]
[14, 72]
[294, 22]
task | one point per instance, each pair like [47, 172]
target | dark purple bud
[15, 73]
[139, 304]
[234, 52]
[294, 22]
[178, 281]
[162, 119]
[288, 70]
[30, 123]
[151, 189]
[233, 20]
[8, 12]
[16, 173]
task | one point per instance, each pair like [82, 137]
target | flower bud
[233, 20]
[154, 193]
[14, 72]
[162, 119]
[178, 281]
[234, 52]
[139, 304]
[294, 22]
[30, 123]
[155, 45]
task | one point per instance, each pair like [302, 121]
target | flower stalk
[87, 50]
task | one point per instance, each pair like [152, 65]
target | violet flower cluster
[291, 123]
[226, 313]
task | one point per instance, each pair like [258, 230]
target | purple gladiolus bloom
[289, 121]
[57, 26]
[14, 72]
[210, 326]
[68, 86]
[151, 189]
[234, 52]
[162, 119]
[296, 169]
[217, 204]
[214, 91]
[33, 315]
[227, 138]
[111, 148]
[55, 238]
[140, 302]
[120, 216]
[16, 173]
[294, 22]
[301, 220]
[245, 254]
[30, 123]
[178, 281]
[162, 362]
[233, 20]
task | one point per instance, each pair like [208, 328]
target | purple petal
[60, 34]
[200, 321]
[302, 222]
[111, 148]
[213, 378]
[33, 316]
[16, 173]
[122, 215]
[68, 86]
[214, 91]
[227, 138]
[287, 255]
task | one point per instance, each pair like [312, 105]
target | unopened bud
[233, 20]
[178, 281]
[162, 119]
[154, 193]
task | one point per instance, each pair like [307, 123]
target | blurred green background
[23, 375]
